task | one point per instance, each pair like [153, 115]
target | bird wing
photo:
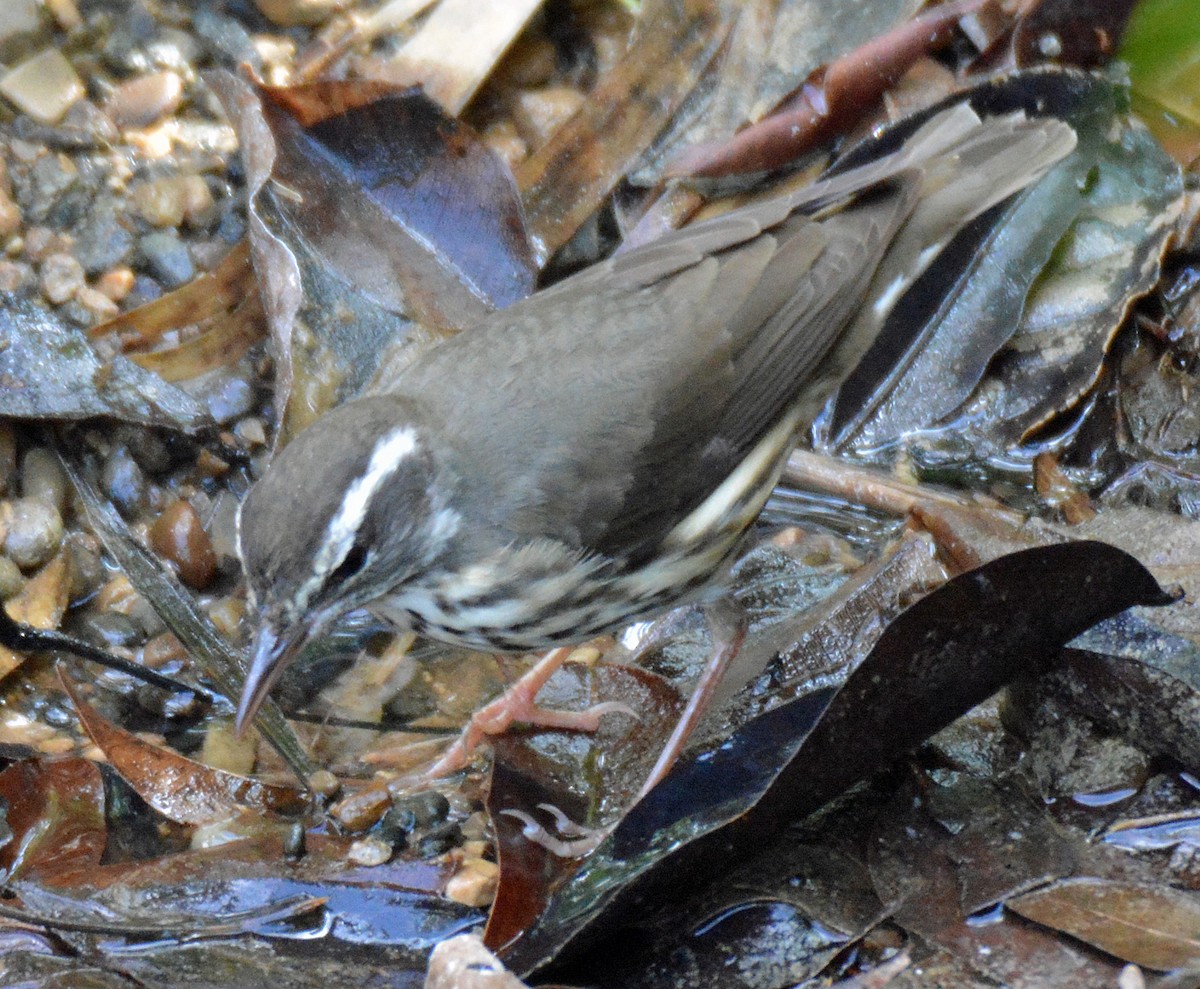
[602, 411]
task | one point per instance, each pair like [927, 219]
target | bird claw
[577, 841]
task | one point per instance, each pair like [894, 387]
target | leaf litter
[848, 666]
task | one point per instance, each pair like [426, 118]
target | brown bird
[594, 454]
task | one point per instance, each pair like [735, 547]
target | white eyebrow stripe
[389, 453]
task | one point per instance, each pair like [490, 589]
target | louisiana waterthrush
[594, 454]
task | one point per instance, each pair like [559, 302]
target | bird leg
[517, 703]
[727, 624]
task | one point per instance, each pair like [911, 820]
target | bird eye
[351, 565]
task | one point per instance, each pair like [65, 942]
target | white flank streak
[722, 506]
[901, 283]
[388, 454]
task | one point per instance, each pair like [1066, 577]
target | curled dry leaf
[180, 789]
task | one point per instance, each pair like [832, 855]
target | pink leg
[517, 703]
[727, 624]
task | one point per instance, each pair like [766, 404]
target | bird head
[345, 513]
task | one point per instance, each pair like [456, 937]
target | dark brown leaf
[55, 811]
[943, 655]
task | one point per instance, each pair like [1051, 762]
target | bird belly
[517, 601]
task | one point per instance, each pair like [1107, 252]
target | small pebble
[41, 242]
[10, 212]
[166, 257]
[251, 431]
[502, 137]
[361, 810]
[61, 277]
[149, 451]
[439, 840]
[59, 745]
[110, 630]
[179, 536]
[65, 13]
[162, 650]
[369, 852]
[115, 283]
[428, 808]
[226, 40]
[21, 23]
[35, 531]
[98, 306]
[102, 241]
[123, 482]
[145, 100]
[299, 13]
[227, 614]
[227, 396]
[532, 61]
[117, 594]
[168, 202]
[222, 748]
[295, 841]
[11, 579]
[88, 573]
[475, 883]
[14, 276]
[42, 478]
[324, 783]
[43, 86]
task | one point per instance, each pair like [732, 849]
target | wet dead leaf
[213, 294]
[942, 656]
[180, 789]
[55, 812]
[1058, 269]
[1155, 927]
[363, 221]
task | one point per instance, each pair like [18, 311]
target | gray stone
[167, 258]
[35, 530]
[123, 481]
[101, 241]
[226, 40]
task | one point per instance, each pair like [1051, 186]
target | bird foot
[575, 841]
[517, 704]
